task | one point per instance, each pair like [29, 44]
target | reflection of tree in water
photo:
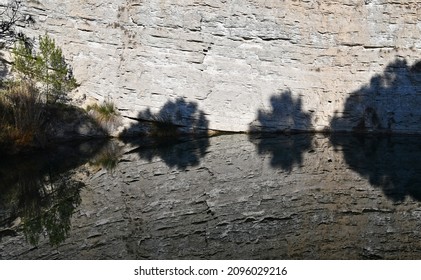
[41, 192]
[3, 68]
[46, 206]
[286, 115]
[392, 163]
[108, 156]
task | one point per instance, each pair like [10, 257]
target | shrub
[22, 115]
[44, 78]
[105, 112]
[47, 67]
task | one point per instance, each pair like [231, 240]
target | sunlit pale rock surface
[245, 65]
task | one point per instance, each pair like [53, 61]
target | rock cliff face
[246, 64]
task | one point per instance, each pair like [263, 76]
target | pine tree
[47, 67]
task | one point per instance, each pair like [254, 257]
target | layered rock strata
[245, 65]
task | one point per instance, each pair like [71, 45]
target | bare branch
[10, 17]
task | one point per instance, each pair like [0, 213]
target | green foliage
[21, 115]
[47, 67]
[24, 60]
[105, 112]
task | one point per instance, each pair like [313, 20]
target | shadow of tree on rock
[177, 134]
[286, 116]
[390, 103]
[389, 162]
[175, 117]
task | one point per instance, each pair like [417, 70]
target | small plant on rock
[106, 114]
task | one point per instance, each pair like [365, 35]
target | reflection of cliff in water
[392, 163]
[39, 192]
[180, 152]
[286, 151]
[238, 203]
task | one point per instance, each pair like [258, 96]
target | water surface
[228, 197]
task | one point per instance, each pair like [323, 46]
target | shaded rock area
[240, 199]
[70, 123]
[286, 114]
[56, 123]
[177, 117]
[387, 104]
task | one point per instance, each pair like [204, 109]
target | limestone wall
[246, 64]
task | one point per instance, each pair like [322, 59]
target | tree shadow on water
[285, 118]
[389, 103]
[177, 134]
